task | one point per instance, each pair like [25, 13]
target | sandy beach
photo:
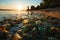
[55, 14]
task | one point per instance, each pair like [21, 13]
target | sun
[19, 7]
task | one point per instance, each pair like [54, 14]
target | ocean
[12, 14]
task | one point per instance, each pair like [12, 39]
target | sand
[55, 14]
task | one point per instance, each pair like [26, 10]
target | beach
[51, 13]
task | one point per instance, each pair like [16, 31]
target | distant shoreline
[7, 10]
[49, 12]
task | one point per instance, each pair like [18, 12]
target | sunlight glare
[19, 7]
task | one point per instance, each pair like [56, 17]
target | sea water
[12, 14]
[7, 14]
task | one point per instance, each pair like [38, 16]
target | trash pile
[37, 26]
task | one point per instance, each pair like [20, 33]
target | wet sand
[55, 14]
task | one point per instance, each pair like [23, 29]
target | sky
[18, 4]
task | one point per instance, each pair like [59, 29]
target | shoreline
[55, 14]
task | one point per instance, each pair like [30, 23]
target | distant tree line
[51, 3]
[46, 4]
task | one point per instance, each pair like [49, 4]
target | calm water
[12, 14]
[17, 14]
